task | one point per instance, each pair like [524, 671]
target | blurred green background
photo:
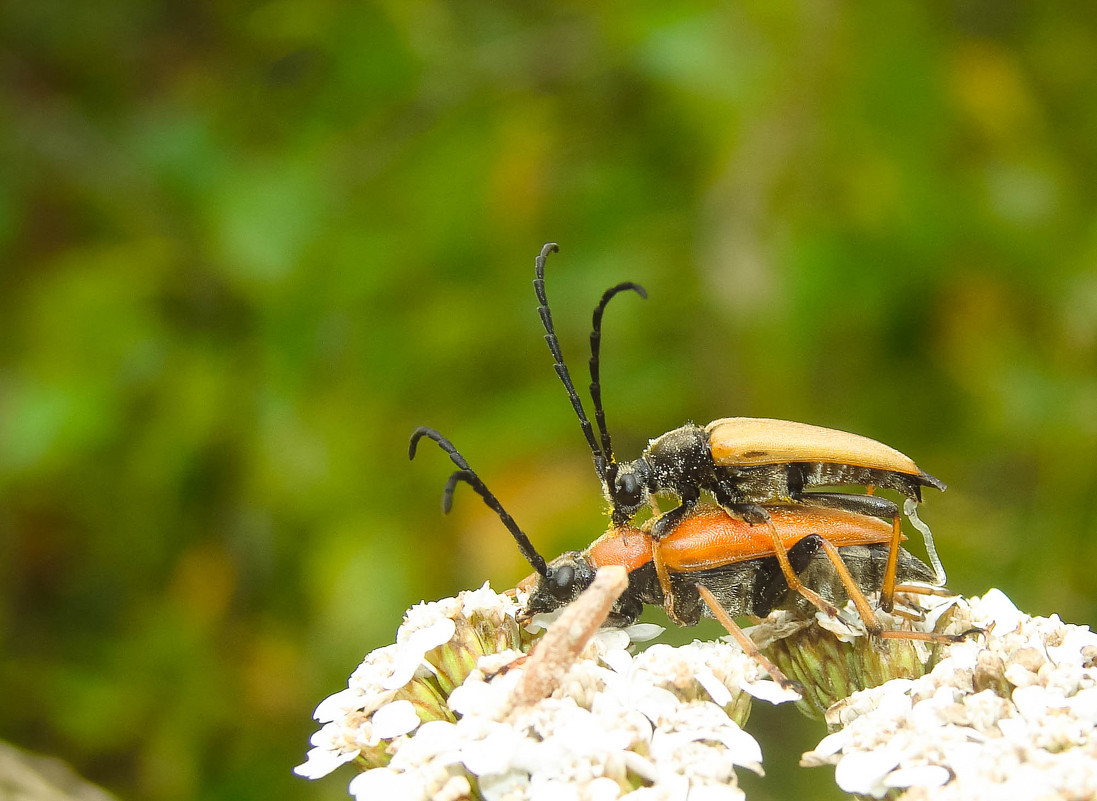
[248, 247]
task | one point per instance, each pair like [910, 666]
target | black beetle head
[568, 575]
[628, 490]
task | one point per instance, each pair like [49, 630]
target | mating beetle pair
[720, 566]
[748, 465]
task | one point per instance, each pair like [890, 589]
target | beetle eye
[628, 490]
[563, 577]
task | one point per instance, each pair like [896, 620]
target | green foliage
[246, 249]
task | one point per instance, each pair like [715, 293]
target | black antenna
[600, 458]
[468, 475]
[595, 383]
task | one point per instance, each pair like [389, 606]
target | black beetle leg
[670, 519]
[748, 512]
[873, 506]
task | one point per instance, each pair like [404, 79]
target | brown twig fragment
[569, 635]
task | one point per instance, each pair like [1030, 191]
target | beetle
[737, 563]
[745, 463]
[715, 564]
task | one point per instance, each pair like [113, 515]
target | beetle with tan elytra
[745, 463]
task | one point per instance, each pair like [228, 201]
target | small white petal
[542, 620]
[395, 719]
[961, 656]
[863, 773]
[412, 650]
[836, 626]
[641, 766]
[1084, 705]
[642, 632]
[1019, 675]
[620, 661]
[832, 743]
[770, 691]
[486, 599]
[386, 783]
[894, 703]
[1015, 729]
[939, 605]
[329, 733]
[1032, 702]
[919, 776]
[336, 706]
[603, 789]
[714, 687]
[436, 741]
[656, 703]
[1070, 650]
[582, 731]
[322, 761]
[544, 757]
[610, 640]
[999, 608]
[438, 633]
[743, 749]
[474, 695]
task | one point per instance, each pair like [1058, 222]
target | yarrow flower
[1012, 717]
[831, 658]
[469, 704]
[454, 710]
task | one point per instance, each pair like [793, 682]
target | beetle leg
[745, 642]
[870, 505]
[887, 588]
[668, 520]
[664, 583]
[868, 617]
[747, 512]
[873, 506]
[930, 636]
[793, 580]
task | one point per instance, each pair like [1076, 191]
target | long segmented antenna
[595, 382]
[558, 358]
[468, 475]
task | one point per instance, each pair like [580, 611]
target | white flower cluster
[1014, 717]
[384, 692]
[614, 724]
[662, 724]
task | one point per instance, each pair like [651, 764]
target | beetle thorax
[679, 458]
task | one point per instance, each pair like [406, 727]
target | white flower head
[999, 717]
[443, 713]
